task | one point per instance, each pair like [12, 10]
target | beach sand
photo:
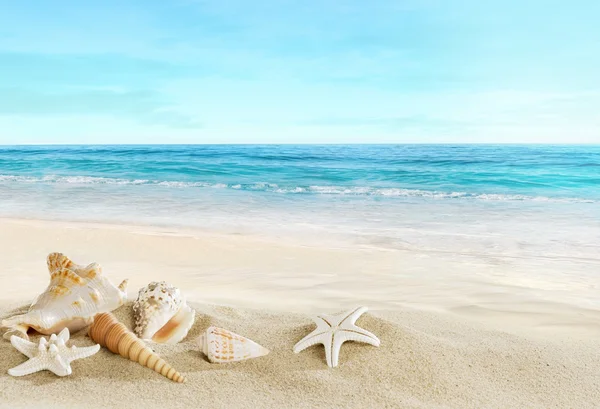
[445, 341]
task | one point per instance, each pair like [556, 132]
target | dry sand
[442, 344]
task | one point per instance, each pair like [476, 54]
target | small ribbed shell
[161, 314]
[221, 345]
[113, 335]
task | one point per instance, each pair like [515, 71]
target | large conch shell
[71, 300]
[161, 314]
[114, 335]
[220, 346]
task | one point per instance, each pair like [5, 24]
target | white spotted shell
[161, 314]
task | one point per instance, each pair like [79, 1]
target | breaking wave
[275, 188]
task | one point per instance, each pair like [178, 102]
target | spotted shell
[161, 314]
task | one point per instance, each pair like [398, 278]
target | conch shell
[114, 335]
[161, 314]
[221, 345]
[71, 300]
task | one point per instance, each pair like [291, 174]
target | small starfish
[333, 330]
[53, 356]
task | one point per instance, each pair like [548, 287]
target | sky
[285, 71]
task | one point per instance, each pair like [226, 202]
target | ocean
[492, 200]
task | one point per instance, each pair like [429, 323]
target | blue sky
[186, 71]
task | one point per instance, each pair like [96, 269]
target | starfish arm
[72, 354]
[29, 349]
[315, 337]
[60, 367]
[360, 335]
[28, 367]
[64, 334]
[335, 345]
[354, 315]
[329, 320]
[323, 322]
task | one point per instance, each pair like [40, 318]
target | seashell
[114, 335]
[221, 345]
[161, 314]
[71, 300]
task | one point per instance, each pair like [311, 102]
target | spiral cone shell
[114, 335]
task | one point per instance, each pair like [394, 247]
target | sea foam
[385, 192]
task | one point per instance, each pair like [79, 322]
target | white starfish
[333, 330]
[53, 356]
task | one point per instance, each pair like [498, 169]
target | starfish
[333, 330]
[51, 355]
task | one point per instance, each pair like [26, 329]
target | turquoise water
[487, 172]
[480, 198]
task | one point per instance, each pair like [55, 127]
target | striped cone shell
[114, 335]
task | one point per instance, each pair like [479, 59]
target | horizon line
[312, 144]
